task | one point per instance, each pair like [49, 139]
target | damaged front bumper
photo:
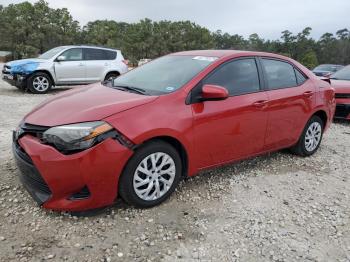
[16, 80]
[78, 182]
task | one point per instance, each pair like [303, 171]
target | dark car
[326, 69]
[341, 83]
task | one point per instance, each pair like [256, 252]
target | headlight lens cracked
[75, 137]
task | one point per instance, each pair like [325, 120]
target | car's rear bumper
[342, 111]
[77, 182]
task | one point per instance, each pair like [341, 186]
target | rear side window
[238, 77]
[279, 74]
[99, 54]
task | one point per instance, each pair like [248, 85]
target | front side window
[238, 77]
[279, 74]
[74, 54]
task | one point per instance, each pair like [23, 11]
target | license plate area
[8, 77]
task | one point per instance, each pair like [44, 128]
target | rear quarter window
[110, 55]
[300, 77]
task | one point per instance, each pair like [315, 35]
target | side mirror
[60, 58]
[214, 93]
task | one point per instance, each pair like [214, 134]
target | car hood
[83, 104]
[341, 86]
[24, 65]
[321, 71]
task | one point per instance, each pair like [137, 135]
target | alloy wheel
[154, 176]
[41, 83]
[313, 136]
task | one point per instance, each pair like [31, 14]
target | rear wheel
[39, 83]
[311, 137]
[151, 175]
[111, 76]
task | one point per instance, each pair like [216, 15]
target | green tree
[29, 29]
[309, 59]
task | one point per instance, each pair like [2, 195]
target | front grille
[342, 111]
[22, 154]
[342, 95]
[33, 130]
[29, 173]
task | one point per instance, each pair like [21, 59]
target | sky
[268, 18]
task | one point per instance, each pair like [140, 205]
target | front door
[234, 128]
[72, 69]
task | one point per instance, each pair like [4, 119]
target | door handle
[260, 103]
[81, 64]
[308, 94]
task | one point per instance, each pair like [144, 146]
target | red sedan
[137, 136]
[341, 83]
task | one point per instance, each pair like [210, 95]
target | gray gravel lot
[276, 207]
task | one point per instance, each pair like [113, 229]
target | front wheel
[39, 83]
[151, 175]
[311, 137]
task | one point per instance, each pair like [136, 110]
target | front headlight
[75, 137]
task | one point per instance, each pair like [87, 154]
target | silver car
[65, 65]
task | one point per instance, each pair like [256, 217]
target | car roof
[329, 65]
[228, 53]
[90, 46]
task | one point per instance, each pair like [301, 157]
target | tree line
[30, 29]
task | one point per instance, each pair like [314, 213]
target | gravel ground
[276, 207]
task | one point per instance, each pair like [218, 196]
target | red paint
[342, 87]
[213, 92]
[211, 132]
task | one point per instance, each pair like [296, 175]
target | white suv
[65, 65]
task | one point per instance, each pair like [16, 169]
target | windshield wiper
[131, 88]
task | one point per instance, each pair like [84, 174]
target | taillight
[126, 62]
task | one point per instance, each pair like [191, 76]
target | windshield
[164, 75]
[343, 74]
[51, 53]
[330, 68]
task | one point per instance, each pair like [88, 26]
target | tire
[130, 182]
[39, 83]
[111, 76]
[305, 148]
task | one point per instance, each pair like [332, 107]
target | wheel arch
[180, 148]
[112, 72]
[323, 115]
[46, 72]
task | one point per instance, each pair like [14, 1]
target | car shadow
[342, 122]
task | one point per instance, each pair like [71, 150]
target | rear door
[72, 69]
[291, 100]
[97, 63]
[233, 128]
